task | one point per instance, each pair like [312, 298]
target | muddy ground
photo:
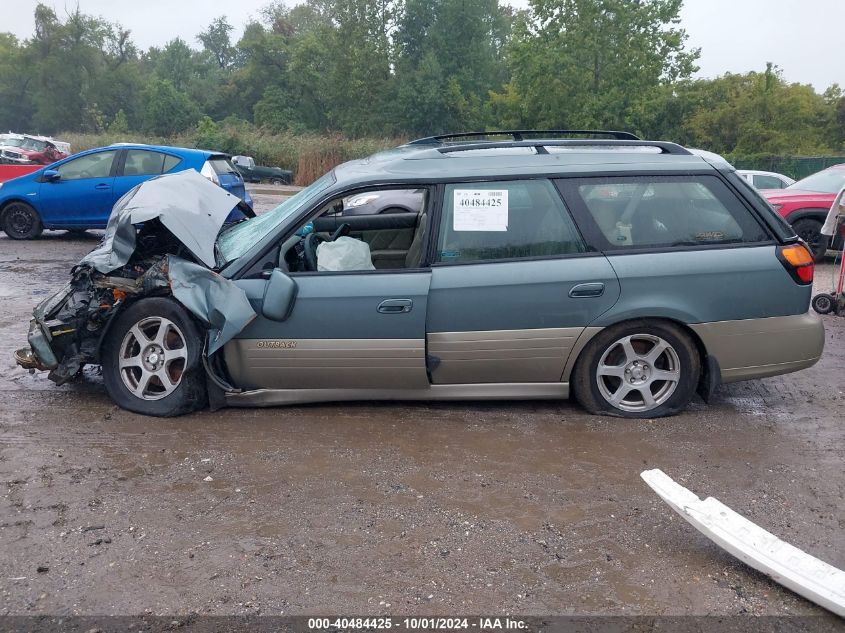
[526, 508]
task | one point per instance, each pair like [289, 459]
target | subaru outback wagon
[630, 274]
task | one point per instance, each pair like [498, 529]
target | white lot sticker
[480, 210]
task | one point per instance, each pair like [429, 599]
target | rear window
[221, 166]
[663, 211]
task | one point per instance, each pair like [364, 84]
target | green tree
[450, 55]
[593, 63]
[216, 41]
[166, 110]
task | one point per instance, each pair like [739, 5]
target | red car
[805, 204]
[43, 151]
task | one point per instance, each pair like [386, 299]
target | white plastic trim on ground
[804, 574]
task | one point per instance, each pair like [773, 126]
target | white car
[765, 179]
[9, 148]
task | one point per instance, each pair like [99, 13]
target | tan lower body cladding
[756, 348]
[327, 363]
[501, 355]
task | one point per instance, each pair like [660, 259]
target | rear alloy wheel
[637, 370]
[152, 360]
[21, 221]
[810, 231]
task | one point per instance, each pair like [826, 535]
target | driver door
[363, 330]
[82, 195]
[352, 329]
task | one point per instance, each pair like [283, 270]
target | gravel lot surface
[527, 508]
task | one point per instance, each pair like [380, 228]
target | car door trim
[534, 355]
[489, 391]
[351, 363]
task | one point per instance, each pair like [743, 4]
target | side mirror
[51, 175]
[279, 295]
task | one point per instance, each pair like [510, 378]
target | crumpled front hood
[189, 205]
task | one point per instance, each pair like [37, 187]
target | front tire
[21, 221]
[152, 360]
[638, 369]
[810, 231]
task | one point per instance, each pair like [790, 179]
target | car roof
[447, 158]
[183, 151]
[759, 172]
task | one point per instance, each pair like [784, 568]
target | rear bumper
[756, 348]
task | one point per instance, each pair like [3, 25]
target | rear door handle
[587, 290]
[395, 306]
[102, 185]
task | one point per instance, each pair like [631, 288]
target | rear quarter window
[661, 212]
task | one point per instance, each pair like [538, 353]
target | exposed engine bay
[159, 241]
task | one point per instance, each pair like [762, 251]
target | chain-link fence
[793, 166]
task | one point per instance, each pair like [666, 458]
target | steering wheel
[313, 240]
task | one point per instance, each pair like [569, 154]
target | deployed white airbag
[344, 253]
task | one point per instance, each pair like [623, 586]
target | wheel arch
[811, 213]
[709, 364]
[131, 302]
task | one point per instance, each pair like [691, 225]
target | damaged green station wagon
[629, 273]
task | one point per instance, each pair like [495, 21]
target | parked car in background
[26, 149]
[395, 201]
[765, 179]
[78, 192]
[257, 173]
[805, 204]
[628, 273]
[10, 148]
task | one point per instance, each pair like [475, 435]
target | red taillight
[798, 262]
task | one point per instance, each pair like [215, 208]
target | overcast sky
[806, 39]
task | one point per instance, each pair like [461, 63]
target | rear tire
[152, 360]
[21, 221]
[637, 369]
[810, 231]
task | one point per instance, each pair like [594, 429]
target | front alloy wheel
[152, 358]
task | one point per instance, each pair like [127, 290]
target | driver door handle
[103, 185]
[587, 290]
[395, 306]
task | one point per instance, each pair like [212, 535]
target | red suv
[805, 204]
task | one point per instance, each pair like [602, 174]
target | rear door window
[661, 212]
[488, 221]
[140, 162]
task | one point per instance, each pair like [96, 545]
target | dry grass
[309, 156]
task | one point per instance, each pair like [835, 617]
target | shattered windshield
[12, 142]
[34, 144]
[240, 238]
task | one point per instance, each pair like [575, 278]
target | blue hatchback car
[78, 193]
